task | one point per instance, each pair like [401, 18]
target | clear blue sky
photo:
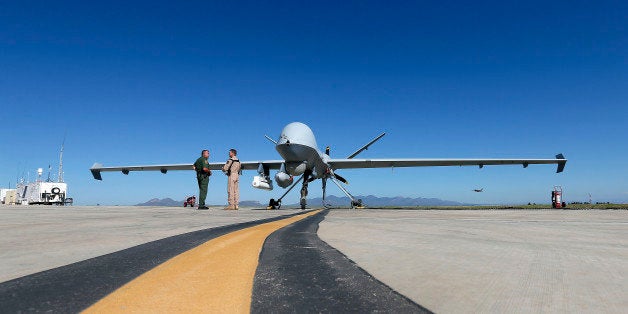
[134, 82]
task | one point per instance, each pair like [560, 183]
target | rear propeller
[333, 173]
[355, 203]
[341, 179]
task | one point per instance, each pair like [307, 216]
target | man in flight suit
[232, 170]
[202, 177]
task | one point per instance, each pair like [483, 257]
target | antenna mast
[61, 160]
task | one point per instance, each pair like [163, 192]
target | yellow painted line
[216, 276]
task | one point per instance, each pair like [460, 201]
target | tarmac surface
[500, 261]
[37, 238]
[368, 260]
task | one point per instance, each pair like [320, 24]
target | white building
[3, 195]
[41, 192]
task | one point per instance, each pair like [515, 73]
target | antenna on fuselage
[270, 139]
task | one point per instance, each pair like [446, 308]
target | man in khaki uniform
[232, 169]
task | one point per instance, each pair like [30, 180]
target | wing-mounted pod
[282, 178]
[263, 181]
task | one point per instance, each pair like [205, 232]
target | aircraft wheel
[357, 204]
[272, 204]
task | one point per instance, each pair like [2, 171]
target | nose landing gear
[306, 181]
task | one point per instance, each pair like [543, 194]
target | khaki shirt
[234, 165]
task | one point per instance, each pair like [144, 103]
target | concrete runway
[500, 261]
[444, 261]
[36, 238]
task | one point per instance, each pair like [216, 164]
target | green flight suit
[202, 178]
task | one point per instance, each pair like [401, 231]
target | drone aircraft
[301, 158]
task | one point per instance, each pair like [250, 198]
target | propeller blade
[341, 179]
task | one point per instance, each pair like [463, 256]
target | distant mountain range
[161, 202]
[369, 200]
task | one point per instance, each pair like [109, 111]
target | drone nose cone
[296, 128]
[297, 133]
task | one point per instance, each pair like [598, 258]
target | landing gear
[272, 204]
[306, 181]
[355, 203]
[325, 192]
[276, 204]
[307, 178]
[303, 203]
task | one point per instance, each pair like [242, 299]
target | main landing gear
[276, 204]
[307, 178]
[355, 203]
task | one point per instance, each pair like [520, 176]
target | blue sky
[156, 82]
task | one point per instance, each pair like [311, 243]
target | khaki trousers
[233, 190]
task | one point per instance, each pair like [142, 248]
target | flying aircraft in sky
[302, 158]
[478, 190]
